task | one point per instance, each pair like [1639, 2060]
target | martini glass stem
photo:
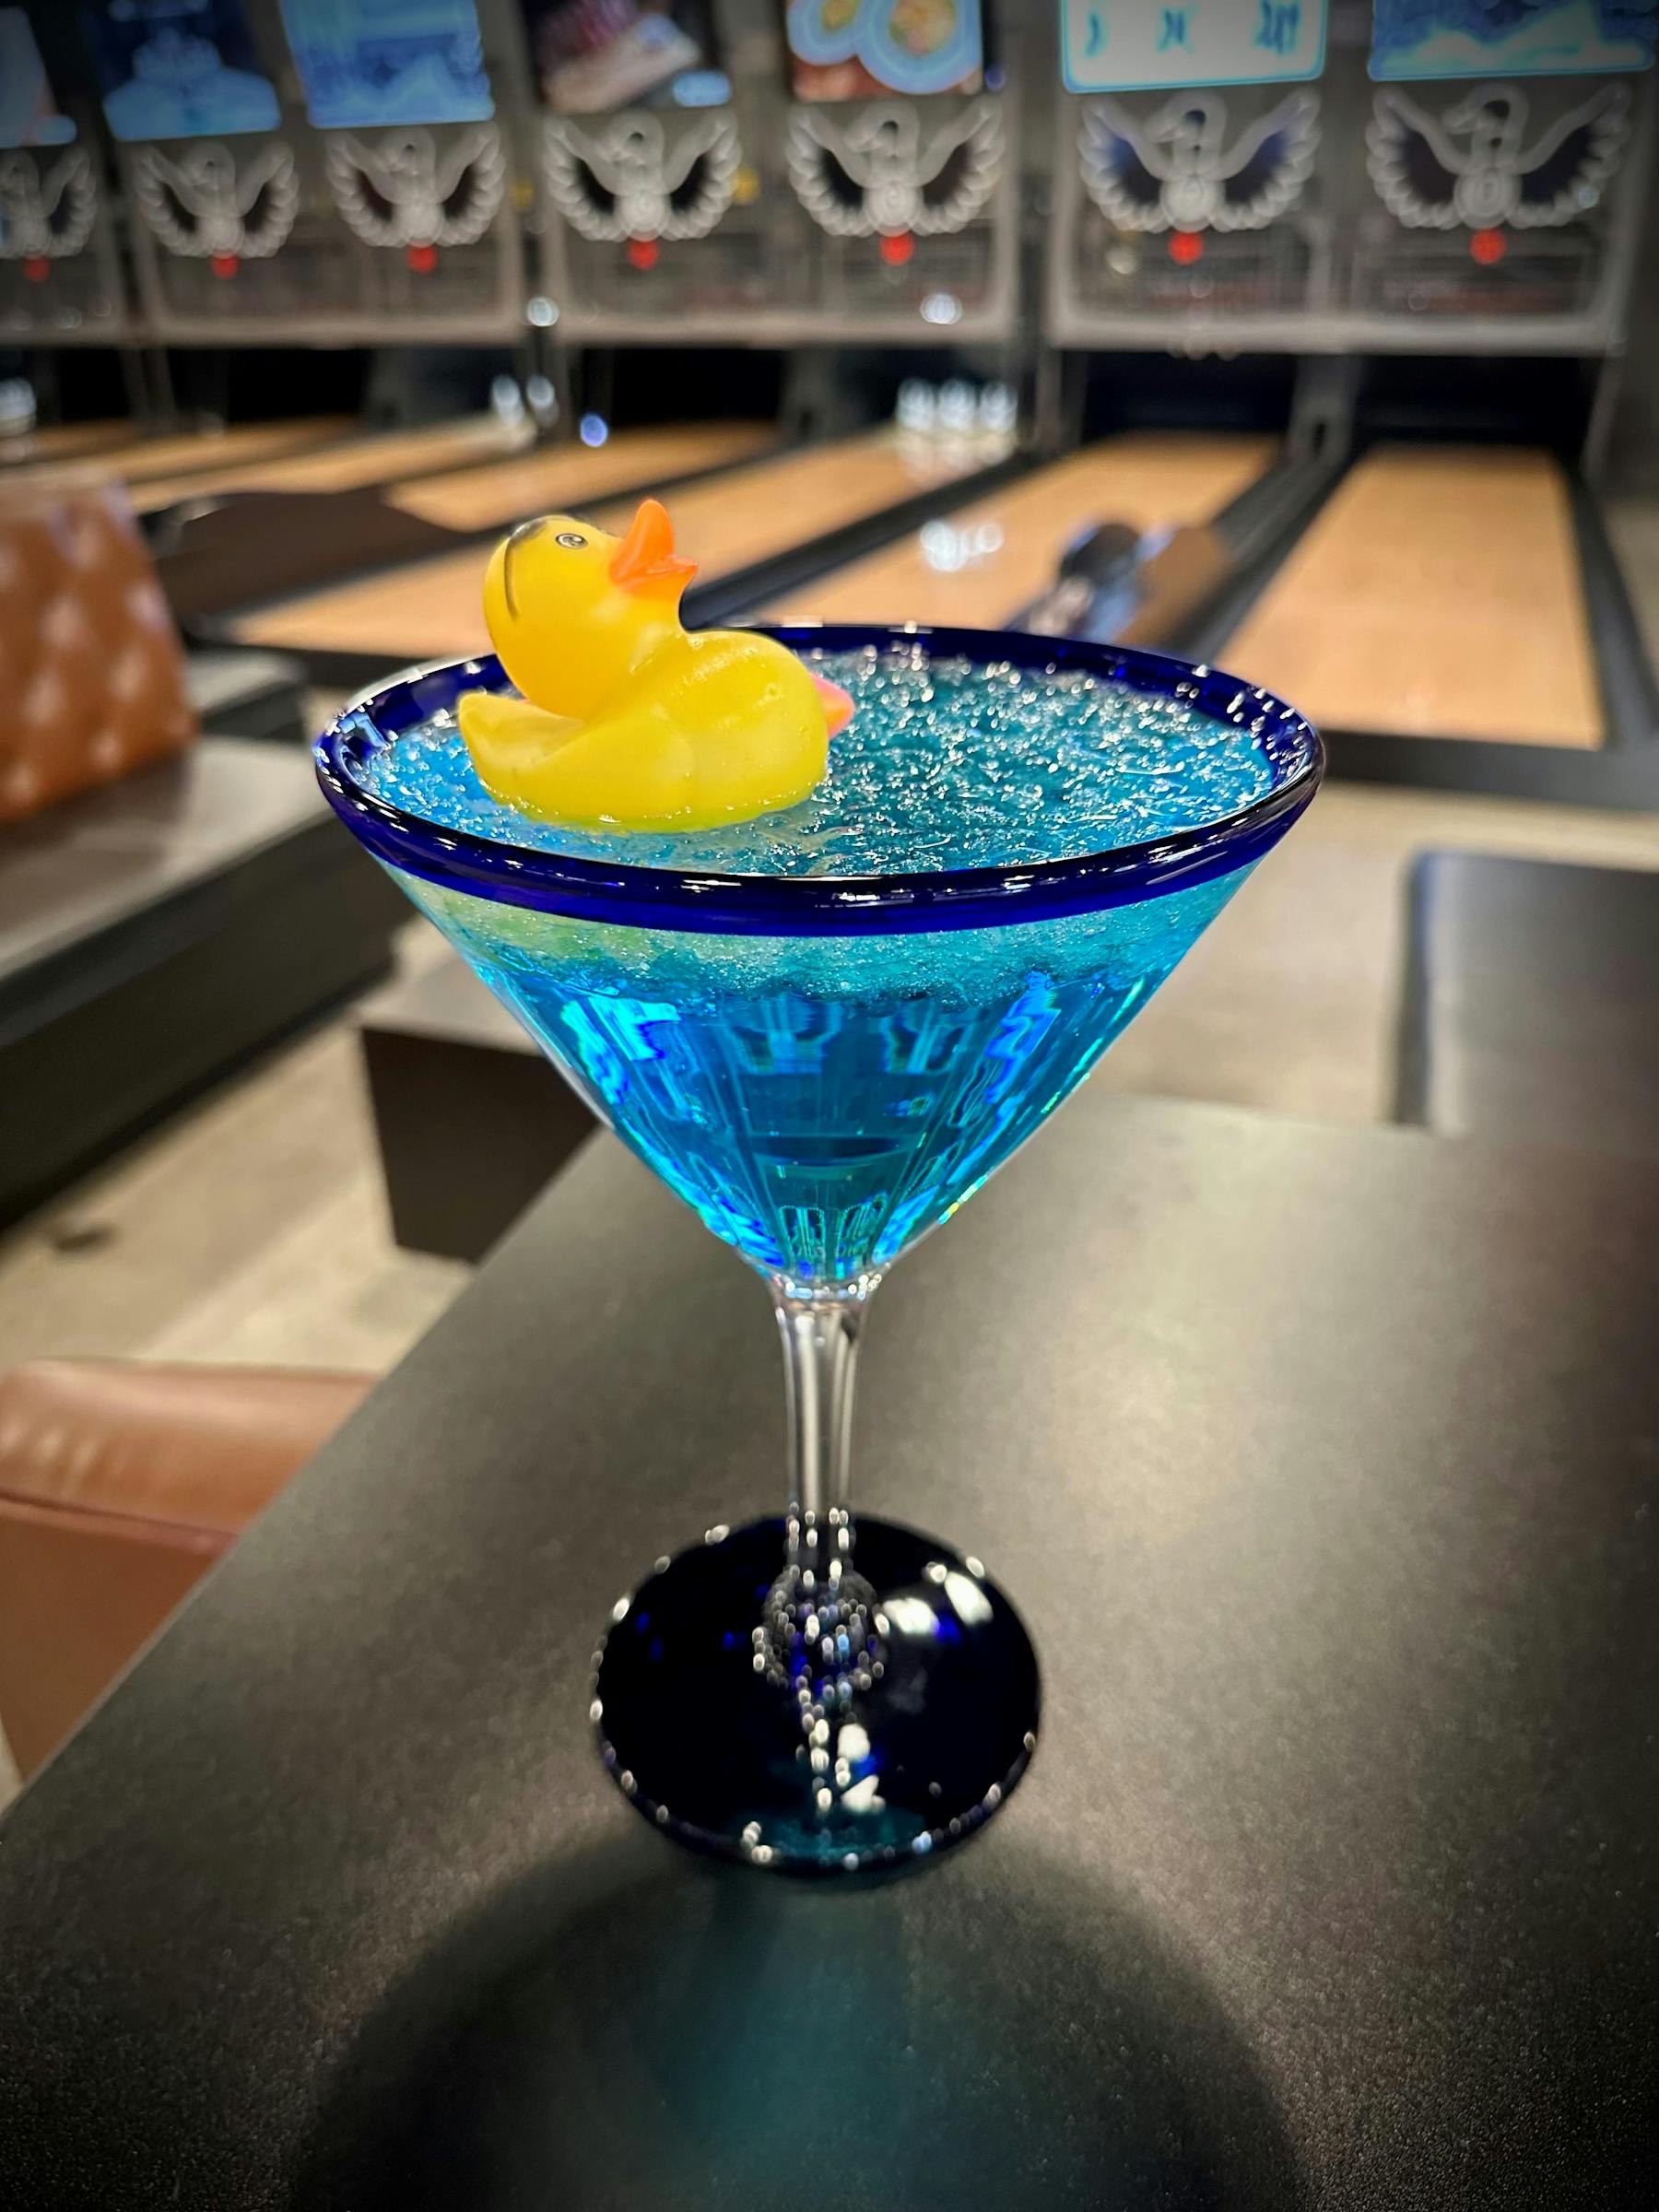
[819, 1633]
[820, 1331]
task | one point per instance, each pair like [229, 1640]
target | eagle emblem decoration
[1472, 167]
[880, 176]
[203, 206]
[402, 194]
[1177, 170]
[625, 181]
[46, 215]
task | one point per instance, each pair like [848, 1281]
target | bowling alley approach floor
[252, 1227]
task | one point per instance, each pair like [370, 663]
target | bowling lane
[138, 459]
[349, 462]
[149, 458]
[63, 441]
[981, 564]
[1438, 594]
[432, 609]
[503, 492]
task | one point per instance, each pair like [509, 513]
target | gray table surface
[1324, 1464]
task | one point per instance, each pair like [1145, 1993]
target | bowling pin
[998, 416]
[957, 408]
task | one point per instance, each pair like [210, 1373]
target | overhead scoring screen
[368, 63]
[859, 49]
[592, 56]
[28, 113]
[178, 69]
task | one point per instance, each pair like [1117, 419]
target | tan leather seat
[119, 1484]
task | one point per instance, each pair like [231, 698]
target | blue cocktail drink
[824, 1030]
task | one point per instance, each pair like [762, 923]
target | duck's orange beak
[646, 562]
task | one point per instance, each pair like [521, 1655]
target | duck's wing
[509, 738]
[1123, 174]
[1577, 155]
[1412, 163]
[634, 771]
[1264, 173]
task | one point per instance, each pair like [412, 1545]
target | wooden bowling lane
[980, 565]
[498, 492]
[1437, 595]
[151, 458]
[139, 460]
[348, 464]
[432, 609]
[756, 513]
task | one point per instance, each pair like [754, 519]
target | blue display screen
[29, 114]
[365, 63]
[179, 70]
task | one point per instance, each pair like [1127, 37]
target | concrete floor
[253, 1226]
[249, 1228]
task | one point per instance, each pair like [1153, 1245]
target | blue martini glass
[825, 1068]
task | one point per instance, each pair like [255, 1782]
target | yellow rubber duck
[628, 720]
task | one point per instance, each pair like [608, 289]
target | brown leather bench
[120, 1486]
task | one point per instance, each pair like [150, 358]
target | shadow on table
[633, 2029]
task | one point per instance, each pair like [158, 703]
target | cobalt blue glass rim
[705, 899]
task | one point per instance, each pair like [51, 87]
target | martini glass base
[710, 1749]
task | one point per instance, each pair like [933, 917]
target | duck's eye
[570, 538]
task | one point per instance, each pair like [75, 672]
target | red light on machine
[1186, 248]
[897, 249]
[36, 268]
[642, 253]
[1487, 247]
[224, 264]
[423, 260]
